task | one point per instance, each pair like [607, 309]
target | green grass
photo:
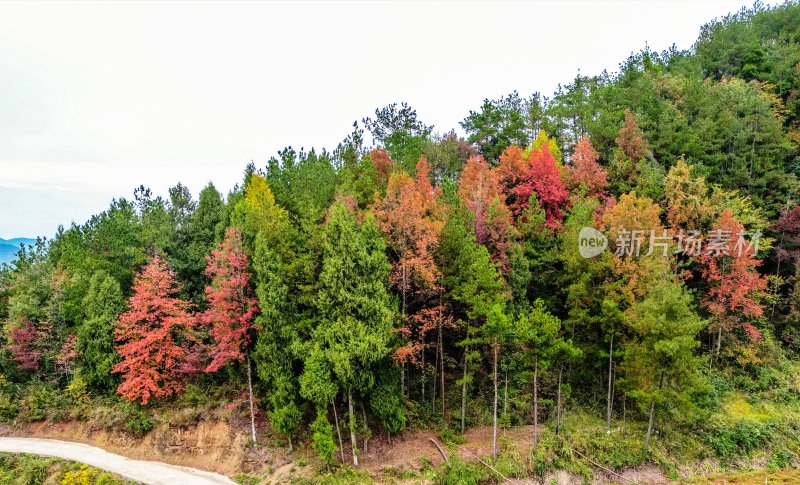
[339, 476]
[22, 469]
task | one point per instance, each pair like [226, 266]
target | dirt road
[149, 472]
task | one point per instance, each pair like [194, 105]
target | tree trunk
[441, 369]
[650, 423]
[366, 428]
[403, 312]
[558, 400]
[494, 412]
[252, 410]
[535, 405]
[422, 374]
[624, 410]
[610, 398]
[352, 419]
[433, 382]
[403, 309]
[338, 430]
[505, 404]
[464, 393]
[403, 378]
[777, 274]
[652, 414]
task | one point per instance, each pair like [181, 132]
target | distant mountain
[10, 247]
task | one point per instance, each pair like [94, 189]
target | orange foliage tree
[411, 221]
[584, 171]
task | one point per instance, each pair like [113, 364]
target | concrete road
[149, 472]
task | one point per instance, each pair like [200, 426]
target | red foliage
[736, 287]
[231, 306]
[24, 348]
[788, 230]
[406, 353]
[479, 187]
[347, 200]
[544, 180]
[416, 330]
[155, 337]
[383, 164]
[585, 171]
[68, 355]
[410, 219]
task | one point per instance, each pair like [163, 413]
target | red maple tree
[155, 337]
[544, 180]
[23, 345]
[735, 286]
[788, 230]
[231, 306]
[67, 357]
[383, 163]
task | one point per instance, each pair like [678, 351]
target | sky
[97, 98]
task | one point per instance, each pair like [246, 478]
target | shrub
[459, 472]
[741, 439]
[244, 479]
[24, 469]
[781, 458]
[137, 421]
[340, 476]
[41, 401]
[9, 408]
[447, 435]
[322, 437]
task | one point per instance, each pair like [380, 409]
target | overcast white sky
[97, 98]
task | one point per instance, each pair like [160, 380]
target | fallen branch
[441, 450]
[597, 464]
[490, 467]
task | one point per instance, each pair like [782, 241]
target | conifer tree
[475, 284]
[539, 332]
[95, 336]
[268, 235]
[660, 363]
[356, 312]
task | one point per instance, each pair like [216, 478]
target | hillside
[598, 282]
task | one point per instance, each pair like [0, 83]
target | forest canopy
[436, 278]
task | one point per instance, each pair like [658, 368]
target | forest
[415, 278]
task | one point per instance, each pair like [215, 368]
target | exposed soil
[219, 447]
[149, 472]
[210, 446]
[413, 446]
